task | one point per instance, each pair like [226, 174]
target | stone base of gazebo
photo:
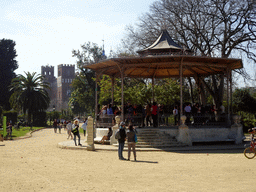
[184, 134]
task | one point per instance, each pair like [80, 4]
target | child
[252, 132]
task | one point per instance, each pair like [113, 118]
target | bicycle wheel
[249, 152]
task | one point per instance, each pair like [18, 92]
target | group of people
[72, 129]
[201, 114]
[149, 113]
[130, 137]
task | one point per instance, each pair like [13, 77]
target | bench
[99, 133]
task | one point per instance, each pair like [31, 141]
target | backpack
[117, 135]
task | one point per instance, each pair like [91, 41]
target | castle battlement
[60, 86]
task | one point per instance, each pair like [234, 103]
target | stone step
[156, 145]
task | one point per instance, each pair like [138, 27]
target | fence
[167, 120]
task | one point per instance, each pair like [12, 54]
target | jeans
[120, 150]
[78, 135]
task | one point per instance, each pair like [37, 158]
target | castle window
[62, 81]
[49, 73]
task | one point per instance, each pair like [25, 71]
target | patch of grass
[22, 131]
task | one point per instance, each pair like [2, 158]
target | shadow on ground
[212, 147]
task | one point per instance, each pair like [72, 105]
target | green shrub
[247, 120]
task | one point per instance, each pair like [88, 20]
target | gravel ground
[37, 164]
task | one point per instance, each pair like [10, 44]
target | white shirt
[175, 111]
[69, 126]
[222, 108]
[84, 126]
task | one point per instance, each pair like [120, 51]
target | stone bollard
[113, 140]
[236, 130]
[90, 134]
[184, 135]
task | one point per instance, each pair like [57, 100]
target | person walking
[121, 141]
[69, 128]
[76, 133]
[131, 142]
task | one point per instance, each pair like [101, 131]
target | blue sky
[46, 31]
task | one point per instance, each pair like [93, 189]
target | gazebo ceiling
[164, 66]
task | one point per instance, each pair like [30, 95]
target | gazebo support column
[228, 96]
[122, 87]
[153, 91]
[96, 97]
[231, 98]
[181, 92]
[112, 90]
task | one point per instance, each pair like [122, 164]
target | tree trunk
[191, 91]
[201, 88]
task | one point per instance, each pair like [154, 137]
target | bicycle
[250, 152]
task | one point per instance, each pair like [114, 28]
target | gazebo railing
[167, 120]
[105, 121]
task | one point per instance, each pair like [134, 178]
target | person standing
[84, 126]
[55, 125]
[65, 124]
[9, 131]
[131, 142]
[175, 114]
[76, 133]
[121, 141]
[59, 126]
[187, 110]
[154, 113]
[148, 115]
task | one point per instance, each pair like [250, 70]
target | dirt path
[36, 164]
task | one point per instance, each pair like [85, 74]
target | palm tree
[29, 93]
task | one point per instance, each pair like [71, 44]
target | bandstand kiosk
[166, 59]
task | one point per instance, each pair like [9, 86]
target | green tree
[138, 91]
[243, 101]
[29, 93]
[220, 28]
[8, 65]
[83, 87]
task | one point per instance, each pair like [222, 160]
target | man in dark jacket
[121, 141]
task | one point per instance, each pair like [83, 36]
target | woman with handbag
[75, 132]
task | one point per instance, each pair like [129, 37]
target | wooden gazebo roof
[164, 66]
[164, 44]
